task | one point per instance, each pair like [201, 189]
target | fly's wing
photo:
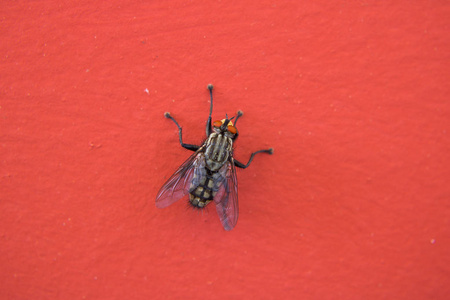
[226, 197]
[178, 184]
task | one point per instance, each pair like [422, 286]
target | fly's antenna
[226, 117]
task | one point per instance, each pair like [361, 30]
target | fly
[209, 174]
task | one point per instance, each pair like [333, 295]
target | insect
[209, 174]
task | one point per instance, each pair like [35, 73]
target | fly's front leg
[180, 131]
[208, 123]
[239, 113]
[242, 166]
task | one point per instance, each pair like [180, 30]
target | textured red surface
[353, 96]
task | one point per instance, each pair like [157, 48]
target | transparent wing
[178, 184]
[226, 198]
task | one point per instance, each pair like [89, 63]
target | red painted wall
[353, 96]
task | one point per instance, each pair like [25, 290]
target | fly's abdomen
[202, 191]
[206, 182]
[218, 149]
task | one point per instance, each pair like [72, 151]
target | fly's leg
[237, 163]
[242, 166]
[208, 123]
[240, 113]
[180, 131]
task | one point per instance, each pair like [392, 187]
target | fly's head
[226, 128]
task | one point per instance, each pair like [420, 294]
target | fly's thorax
[218, 150]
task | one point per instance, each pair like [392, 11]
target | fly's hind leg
[242, 166]
[180, 133]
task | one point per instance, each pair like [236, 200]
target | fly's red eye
[232, 129]
[217, 123]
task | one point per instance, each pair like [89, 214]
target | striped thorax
[218, 149]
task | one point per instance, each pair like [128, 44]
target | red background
[352, 95]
